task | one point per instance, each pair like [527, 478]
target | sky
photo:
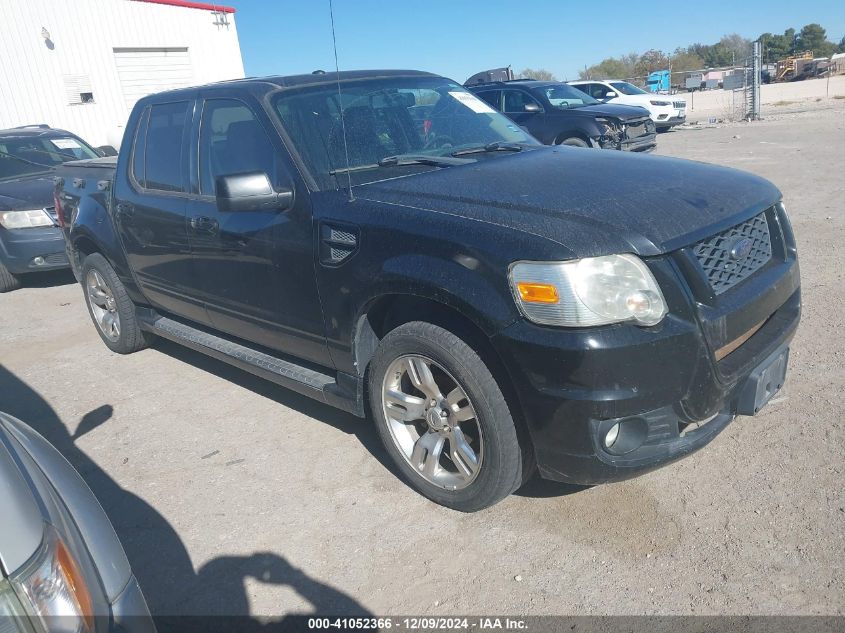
[457, 38]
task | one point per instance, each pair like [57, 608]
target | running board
[343, 391]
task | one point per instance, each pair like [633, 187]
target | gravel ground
[232, 495]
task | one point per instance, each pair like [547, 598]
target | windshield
[565, 96]
[627, 89]
[389, 117]
[27, 155]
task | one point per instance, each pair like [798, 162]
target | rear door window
[164, 146]
[491, 97]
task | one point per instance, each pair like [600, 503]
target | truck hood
[591, 202]
[624, 112]
[22, 523]
[34, 192]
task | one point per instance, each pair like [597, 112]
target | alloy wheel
[432, 422]
[103, 305]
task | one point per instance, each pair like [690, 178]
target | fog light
[38, 261]
[612, 434]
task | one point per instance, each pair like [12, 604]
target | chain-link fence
[740, 85]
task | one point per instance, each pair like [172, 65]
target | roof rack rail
[40, 126]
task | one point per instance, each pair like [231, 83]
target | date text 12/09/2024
[419, 623]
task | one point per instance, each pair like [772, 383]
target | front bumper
[671, 121]
[643, 143]
[19, 249]
[574, 385]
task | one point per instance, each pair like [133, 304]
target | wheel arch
[387, 312]
[581, 134]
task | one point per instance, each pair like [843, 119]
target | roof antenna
[340, 105]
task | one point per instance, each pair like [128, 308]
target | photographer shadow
[180, 597]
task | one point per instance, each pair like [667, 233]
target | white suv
[665, 110]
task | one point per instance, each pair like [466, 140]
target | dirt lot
[234, 496]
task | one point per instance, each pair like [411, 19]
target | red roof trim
[192, 5]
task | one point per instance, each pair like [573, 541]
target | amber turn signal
[537, 293]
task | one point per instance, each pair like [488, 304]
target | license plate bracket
[763, 383]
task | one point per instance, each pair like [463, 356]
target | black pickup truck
[383, 241]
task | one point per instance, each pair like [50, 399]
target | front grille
[55, 258]
[635, 129]
[679, 104]
[721, 257]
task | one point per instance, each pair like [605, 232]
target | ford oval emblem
[741, 249]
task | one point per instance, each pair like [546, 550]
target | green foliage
[732, 49]
[540, 73]
[610, 68]
[684, 60]
[814, 38]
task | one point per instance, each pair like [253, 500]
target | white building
[82, 64]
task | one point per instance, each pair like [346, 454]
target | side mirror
[610, 95]
[251, 192]
[531, 107]
[106, 150]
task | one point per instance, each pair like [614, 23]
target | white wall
[83, 34]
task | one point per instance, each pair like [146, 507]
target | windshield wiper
[496, 146]
[420, 159]
[401, 160]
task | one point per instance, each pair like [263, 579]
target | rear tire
[110, 307]
[574, 141]
[8, 281]
[443, 419]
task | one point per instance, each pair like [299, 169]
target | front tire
[443, 418]
[110, 307]
[8, 281]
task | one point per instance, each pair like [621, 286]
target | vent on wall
[78, 89]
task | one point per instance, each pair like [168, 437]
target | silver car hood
[22, 525]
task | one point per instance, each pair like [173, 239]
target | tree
[650, 61]
[777, 47]
[610, 68]
[540, 73]
[841, 46]
[684, 61]
[738, 47]
[813, 37]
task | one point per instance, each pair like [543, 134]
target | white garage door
[143, 71]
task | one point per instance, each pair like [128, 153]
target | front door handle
[204, 224]
[125, 209]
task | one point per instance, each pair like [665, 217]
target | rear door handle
[204, 224]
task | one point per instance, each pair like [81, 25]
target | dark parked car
[500, 304]
[62, 567]
[558, 114]
[30, 240]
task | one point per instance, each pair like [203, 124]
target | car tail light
[59, 213]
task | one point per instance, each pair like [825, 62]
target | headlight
[660, 103]
[52, 589]
[607, 127]
[588, 292]
[25, 219]
[12, 615]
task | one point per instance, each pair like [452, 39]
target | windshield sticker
[472, 102]
[65, 143]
